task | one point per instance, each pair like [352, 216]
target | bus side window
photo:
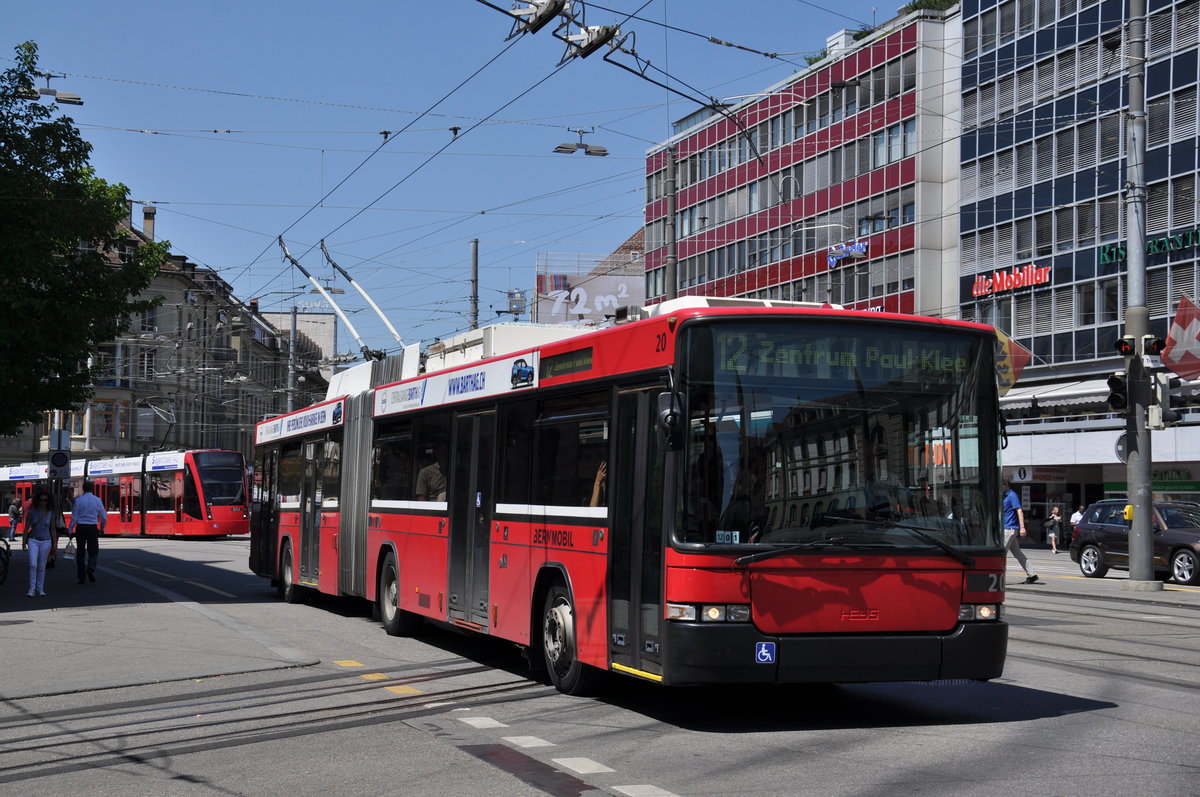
[392, 475]
[571, 442]
[515, 451]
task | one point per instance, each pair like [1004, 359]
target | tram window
[191, 496]
[160, 492]
[432, 436]
[515, 451]
[571, 443]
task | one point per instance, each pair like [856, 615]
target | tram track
[65, 749]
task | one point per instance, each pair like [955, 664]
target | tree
[58, 300]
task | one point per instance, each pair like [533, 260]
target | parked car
[1101, 539]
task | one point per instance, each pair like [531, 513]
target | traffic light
[1153, 345]
[1126, 346]
[1118, 399]
[1162, 411]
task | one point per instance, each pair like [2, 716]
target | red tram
[161, 494]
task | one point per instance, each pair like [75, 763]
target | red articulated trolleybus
[161, 494]
[709, 491]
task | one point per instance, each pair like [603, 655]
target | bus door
[264, 516]
[472, 504]
[310, 513]
[635, 549]
[128, 518]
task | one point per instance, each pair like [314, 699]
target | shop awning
[1088, 391]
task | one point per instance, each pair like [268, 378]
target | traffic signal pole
[1137, 316]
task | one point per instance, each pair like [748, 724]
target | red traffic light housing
[1126, 346]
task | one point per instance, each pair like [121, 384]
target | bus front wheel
[568, 674]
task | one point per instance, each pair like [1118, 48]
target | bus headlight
[709, 612]
[968, 612]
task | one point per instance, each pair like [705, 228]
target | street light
[62, 97]
[588, 149]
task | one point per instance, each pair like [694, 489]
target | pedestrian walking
[14, 517]
[1077, 517]
[88, 519]
[37, 537]
[1014, 529]
[1053, 528]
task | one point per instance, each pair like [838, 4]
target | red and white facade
[839, 184]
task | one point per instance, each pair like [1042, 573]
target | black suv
[1101, 539]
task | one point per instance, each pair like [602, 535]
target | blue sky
[302, 91]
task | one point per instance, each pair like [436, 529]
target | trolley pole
[1137, 316]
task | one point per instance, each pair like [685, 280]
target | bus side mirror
[670, 430]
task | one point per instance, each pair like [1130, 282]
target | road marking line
[407, 690]
[482, 722]
[644, 791]
[159, 573]
[527, 741]
[349, 663]
[582, 766]
[202, 585]
[373, 676]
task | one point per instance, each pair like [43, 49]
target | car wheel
[1185, 568]
[289, 590]
[1091, 562]
[396, 621]
[567, 673]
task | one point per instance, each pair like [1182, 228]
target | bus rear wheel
[289, 590]
[396, 621]
[568, 674]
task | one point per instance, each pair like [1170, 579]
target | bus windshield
[223, 474]
[873, 433]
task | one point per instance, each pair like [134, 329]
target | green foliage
[812, 59]
[57, 303]
[933, 5]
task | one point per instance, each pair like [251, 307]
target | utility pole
[671, 272]
[474, 283]
[291, 380]
[1137, 316]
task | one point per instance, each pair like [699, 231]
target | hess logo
[860, 615]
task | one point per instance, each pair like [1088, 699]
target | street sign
[60, 465]
[1122, 449]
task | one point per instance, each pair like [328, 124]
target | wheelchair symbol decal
[764, 652]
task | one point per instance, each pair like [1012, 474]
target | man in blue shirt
[1014, 525]
[88, 519]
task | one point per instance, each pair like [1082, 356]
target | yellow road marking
[403, 690]
[374, 676]
[349, 663]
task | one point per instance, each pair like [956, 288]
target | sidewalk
[120, 631]
[1058, 575]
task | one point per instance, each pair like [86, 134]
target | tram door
[310, 513]
[472, 503]
[635, 552]
[129, 520]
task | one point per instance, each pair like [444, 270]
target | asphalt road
[178, 672]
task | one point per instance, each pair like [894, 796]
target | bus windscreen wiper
[919, 531]
[771, 554]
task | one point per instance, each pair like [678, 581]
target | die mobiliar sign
[1017, 277]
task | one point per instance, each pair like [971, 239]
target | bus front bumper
[710, 653]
